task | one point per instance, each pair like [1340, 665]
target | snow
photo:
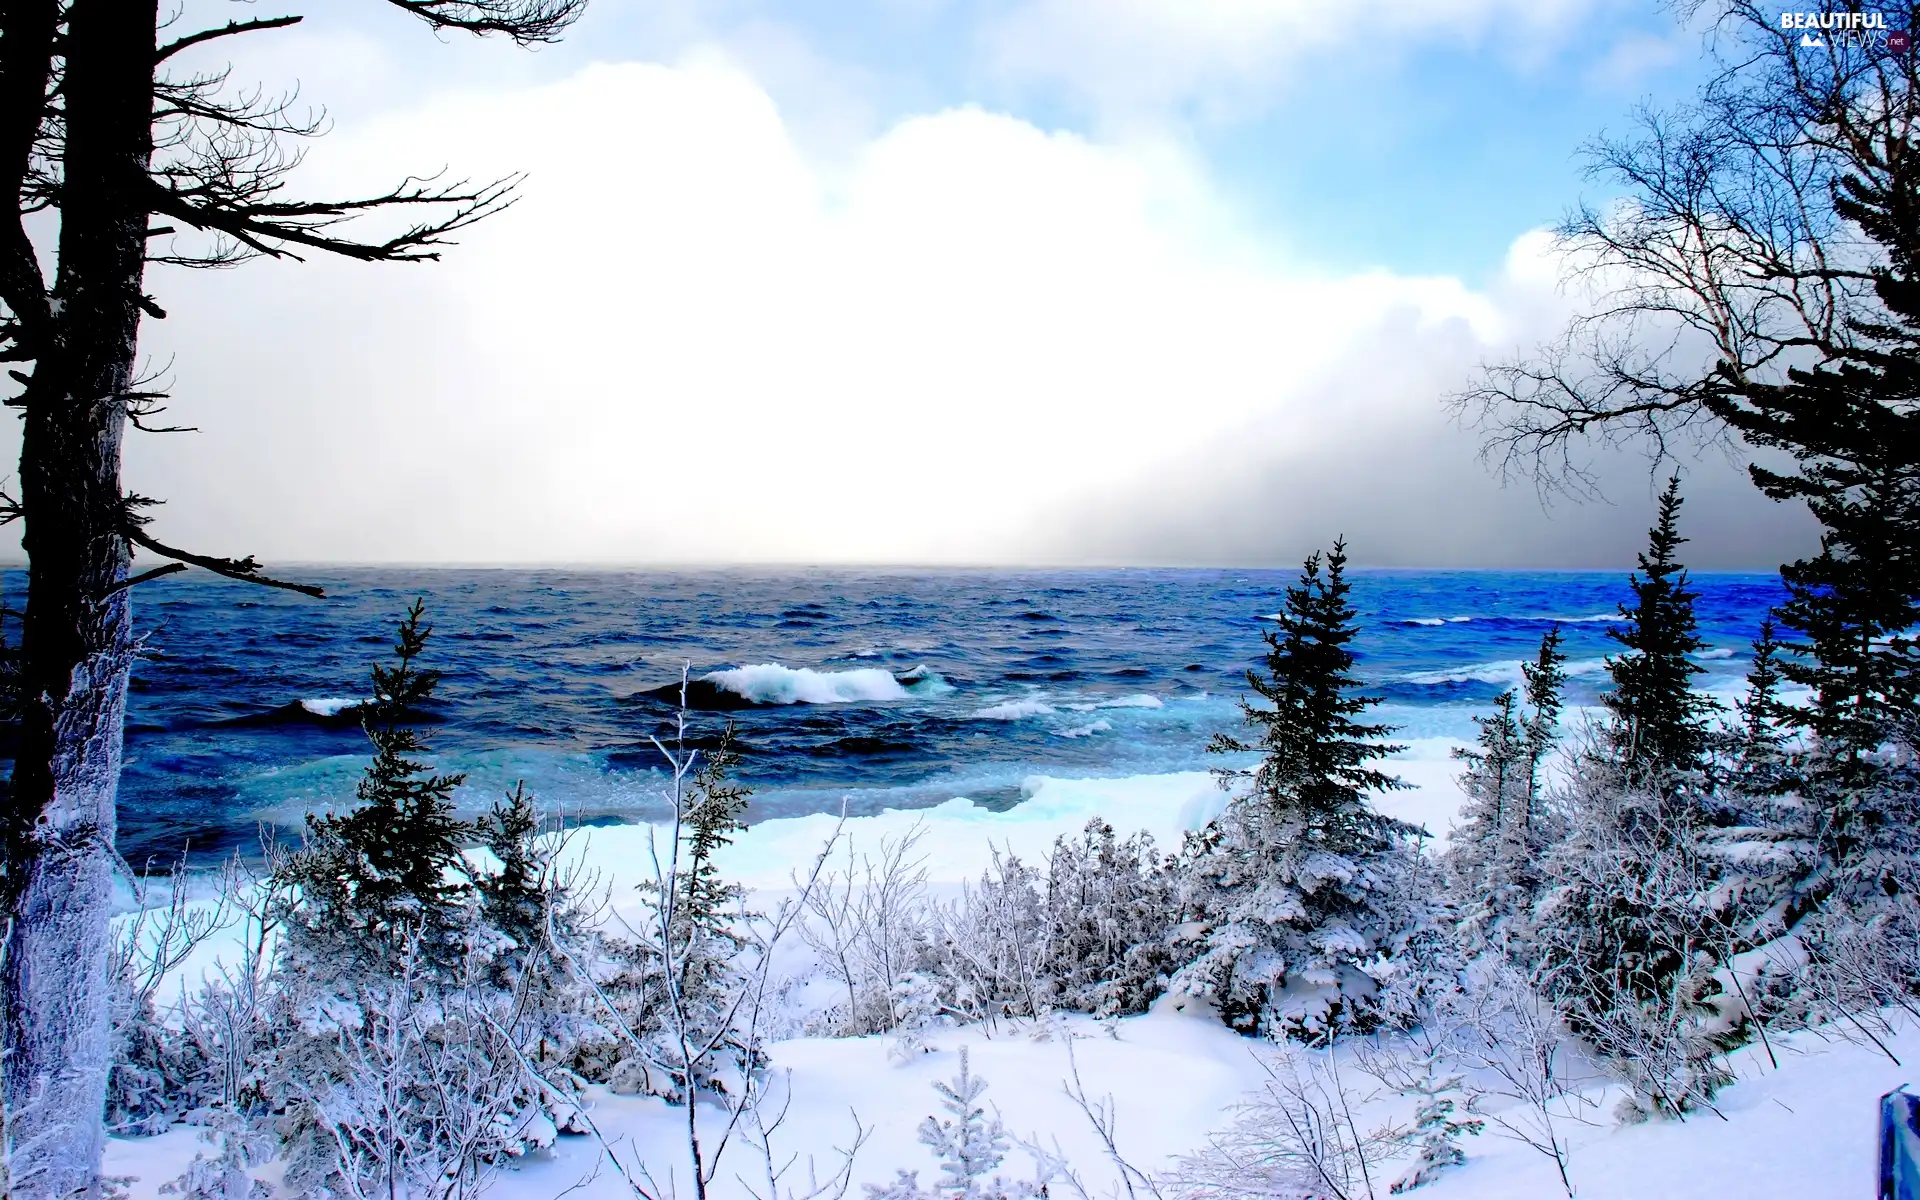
[1806, 1130]
[959, 836]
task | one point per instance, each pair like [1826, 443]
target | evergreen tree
[1314, 777]
[1760, 749]
[391, 868]
[712, 815]
[517, 897]
[1853, 427]
[1545, 676]
[1287, 883]
[1659, 725]
[1485, 851]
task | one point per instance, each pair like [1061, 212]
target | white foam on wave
[771, 683]
[1436, 620]
[1080, 731]
[925, 681]
[1506, 670]
[1014, 710]
[331, 706]
[1717, 652]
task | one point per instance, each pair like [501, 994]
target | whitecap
[1014, 710]
[331, 706]
[771, 683]
[1506, 670]
[924, 681]
[1080, 731]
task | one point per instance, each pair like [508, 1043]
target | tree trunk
[55, 1034]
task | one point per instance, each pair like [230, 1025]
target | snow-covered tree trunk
[54, 1032]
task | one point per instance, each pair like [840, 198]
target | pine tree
[714, 808]
[1659, 725]
[390, 868]
[1760, 750]
[1313, 779]
[1485, 851]
[1853, 427]
[1545, 676]
[517, 897]
[1287, 883]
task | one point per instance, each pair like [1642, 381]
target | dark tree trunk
[76, 643]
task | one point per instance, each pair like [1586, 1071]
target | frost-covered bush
[1296, 1138]
[1090, 931]
[412, 1084]
[1112, 905]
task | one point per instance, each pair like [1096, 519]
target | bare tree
[1731, 260]
[97, 132]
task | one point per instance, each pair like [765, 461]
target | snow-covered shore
[1805, 1129]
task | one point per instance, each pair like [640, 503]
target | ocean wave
[1506, 670]
[1088, 730]
[771, 683]
[326, 711]
[1716, 652]
[922, 680]
[1014, 710]
[1516, 618]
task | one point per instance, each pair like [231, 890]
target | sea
[849, 689]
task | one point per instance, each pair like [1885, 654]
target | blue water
[547, 674]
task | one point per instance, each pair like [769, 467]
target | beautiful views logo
[1867, 29]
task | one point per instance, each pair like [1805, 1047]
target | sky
[923, 281]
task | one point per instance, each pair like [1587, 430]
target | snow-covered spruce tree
[1487, 849]
[1545, 677]
[1492, 856]
[1658, 726]
[388, 873]
[666, 992]
[519, 895]
[1285, 887]
[1630, 929]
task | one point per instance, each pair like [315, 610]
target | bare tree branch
[525, 21]
[231, 27]
[244, 569]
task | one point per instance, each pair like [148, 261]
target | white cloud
[690, 341]
[1129, 59]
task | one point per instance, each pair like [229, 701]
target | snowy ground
[1804, 1130]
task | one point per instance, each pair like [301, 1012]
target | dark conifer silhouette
[1314, 775]
[517, 896]
[391, 868]
[1659, 724]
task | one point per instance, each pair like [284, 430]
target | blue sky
[1421, 153]
[1054, 281]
